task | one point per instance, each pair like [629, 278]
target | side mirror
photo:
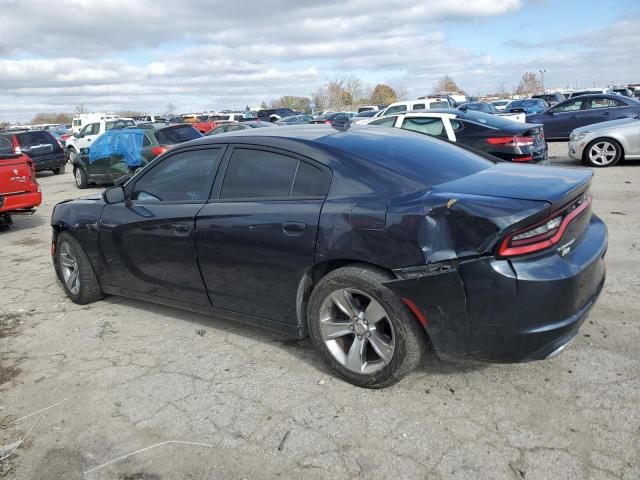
[114, 195]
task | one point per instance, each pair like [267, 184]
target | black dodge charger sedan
[374, 241]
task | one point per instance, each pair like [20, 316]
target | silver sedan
[605, 144]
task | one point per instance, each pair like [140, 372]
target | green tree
[383, 95]
[300, 104]
[447, 84]
[263, 105]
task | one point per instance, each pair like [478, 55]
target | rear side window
[419, 106]
[594, 103]
[179, 134]
[396, 109]
[261, 174]
[258, 174]
[430, 126]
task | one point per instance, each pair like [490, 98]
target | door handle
[293, 228]
[180, 228]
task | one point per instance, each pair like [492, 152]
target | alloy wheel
[603, 153]
[78, 177]
[357, 331]
[69, 268]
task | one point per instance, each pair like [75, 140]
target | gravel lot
[206, 398]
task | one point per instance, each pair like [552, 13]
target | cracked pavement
[207, 398]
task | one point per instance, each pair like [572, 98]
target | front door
[257, 237]
[87, 135]
[148, 241]
[563, 118]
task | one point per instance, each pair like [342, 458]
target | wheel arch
[315, 273]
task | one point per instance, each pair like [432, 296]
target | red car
[19, 189]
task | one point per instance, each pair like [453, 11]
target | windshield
[119, 124]
[179, 134]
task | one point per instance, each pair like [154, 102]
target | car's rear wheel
[75, 271]
[72, 154]
[363, 331]
[59, 170]
[80, 177]
[602, 152]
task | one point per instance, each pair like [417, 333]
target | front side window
[429, 126]
[261, 174]
[384, 121]
[571, 106]
[184, 177]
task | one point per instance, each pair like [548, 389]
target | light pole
[542, 72]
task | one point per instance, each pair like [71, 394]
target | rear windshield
[179, 134]
[547, 98]
[215, 118]
[5, 146]
[430, 161]
[30, 139]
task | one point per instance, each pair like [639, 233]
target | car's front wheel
[75, 271]
[59, 170]
[80, 177]
[363, 331]
[72, 154]
[602, 152]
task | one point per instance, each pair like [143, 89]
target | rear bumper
[49, 162]
[511, 310]
[19, 201]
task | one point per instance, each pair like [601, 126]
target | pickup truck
[19, 189]
[90, 132]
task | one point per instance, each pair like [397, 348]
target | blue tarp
[125, 142]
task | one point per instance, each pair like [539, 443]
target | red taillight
[511, 141]
[528, 158]
[327, 121]
[545, 234]
[16, 145]
[158, 150]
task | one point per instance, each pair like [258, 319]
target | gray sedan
[605, 144]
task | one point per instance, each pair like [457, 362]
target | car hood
[621, 122]
[522, 182]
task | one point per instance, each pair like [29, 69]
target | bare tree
[80, 108]
[402, 93]
[447, 84]
[170, 109]
[529, 84]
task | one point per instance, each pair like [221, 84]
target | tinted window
[419, 106]
[594, 103]
[184, 177]
[463, 129]
[395, 109]
[414, 157]
[489, 120]
[441, 104]
[430, 126]
[310, 181]
[30, 139]
[146, 142]
[384, 121]
[179, 134]
[570, 106]
[5, 146]
[258, 174]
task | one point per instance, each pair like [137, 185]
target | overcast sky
[206, 55]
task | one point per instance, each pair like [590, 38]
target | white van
[83, 119]
[422, 104]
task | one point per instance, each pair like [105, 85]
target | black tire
[71, 153]
[80, 177]
[586, 157]
[59, 170]
[89, 289]
[410, 337]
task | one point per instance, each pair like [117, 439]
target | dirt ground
[128, 390]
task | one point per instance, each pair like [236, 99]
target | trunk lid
[555, 185]
[15, 175]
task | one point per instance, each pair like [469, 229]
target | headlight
[578, 136]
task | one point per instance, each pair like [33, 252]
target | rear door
[602, 109]
[257, 236]
[148, 241]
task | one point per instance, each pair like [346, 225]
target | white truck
[92, 131]
[82, 119]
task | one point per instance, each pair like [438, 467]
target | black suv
[42, 147]
[275, 114]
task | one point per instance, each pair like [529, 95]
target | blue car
[561, 119]
[528, 106]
